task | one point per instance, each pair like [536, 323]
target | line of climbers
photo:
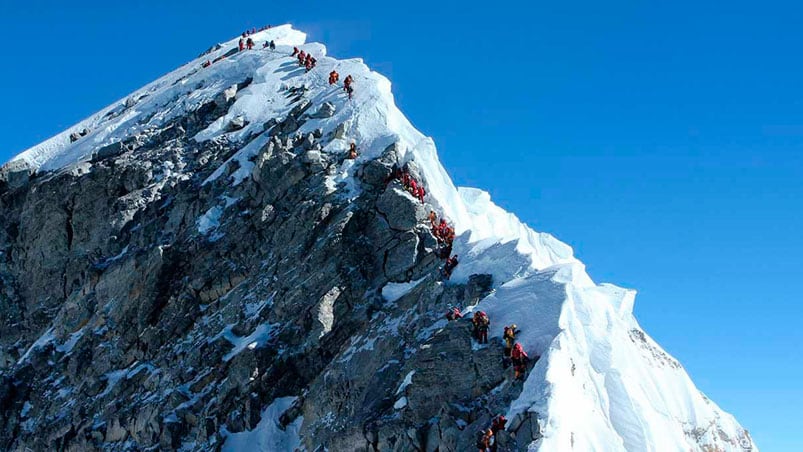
[242, 45]
[513, 353]
[305, 59]
[486, 439]
[254, 31]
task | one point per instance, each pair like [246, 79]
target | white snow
[210, 219]
[601, 383]
[393, 291]
[408, 380]
[262, 333]
[268, 434]
[401, 403]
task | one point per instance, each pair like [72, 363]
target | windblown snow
[601, 383]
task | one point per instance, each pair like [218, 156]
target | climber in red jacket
[301, 57]
[333, 77]
[454, 314]
[519, 358]
[242, 44]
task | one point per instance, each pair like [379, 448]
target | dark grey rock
[402, 211]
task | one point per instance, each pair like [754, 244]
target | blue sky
[662, 140]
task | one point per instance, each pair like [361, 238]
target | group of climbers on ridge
[513, 351]
[410, 184]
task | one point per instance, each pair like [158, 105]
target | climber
[519, 358]
[454, 313]
[84, 132]
[498, 423]
[509, 336]
[352, 151]
[442, 230]
[295, 51]
[206, 63]
[313, 61]
[266, 45]
[445, 251]
[249, 43]
[433, 217]
[242, 44]
[482, 324]
[333, 76]
[74, 137]
[272, 45]
[245, 34]
[347, 82]
[413, 187]
[449, 266]
[301, 57]
[405, 178]
[484, 440]
[421, 193]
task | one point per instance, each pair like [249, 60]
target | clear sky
[662, 140]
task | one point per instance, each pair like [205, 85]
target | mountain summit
[205, 265]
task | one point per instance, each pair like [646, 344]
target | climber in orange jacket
[333, 77]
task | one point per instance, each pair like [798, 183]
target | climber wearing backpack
[302, 56]
[249, 43]
[352, 151]
[484, 325]
[333, 77]
[272, 45]
[509, 336]
[519, 358]
[481, 322]
[484, 440]
[449, 266]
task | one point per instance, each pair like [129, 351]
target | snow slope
[601, 383]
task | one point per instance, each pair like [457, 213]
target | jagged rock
[326, 110]
[223, 99]
[237, 123]
[478, 287]
[340, 131]
[315, 160]
[110, 150]
[402, 211]
[268, 214]
[401, 257]
[308, 142]
[300, 108]
[15, 174]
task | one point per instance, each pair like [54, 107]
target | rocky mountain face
[208, 277]
[142, 326]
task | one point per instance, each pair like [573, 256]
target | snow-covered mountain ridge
[600, 384]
